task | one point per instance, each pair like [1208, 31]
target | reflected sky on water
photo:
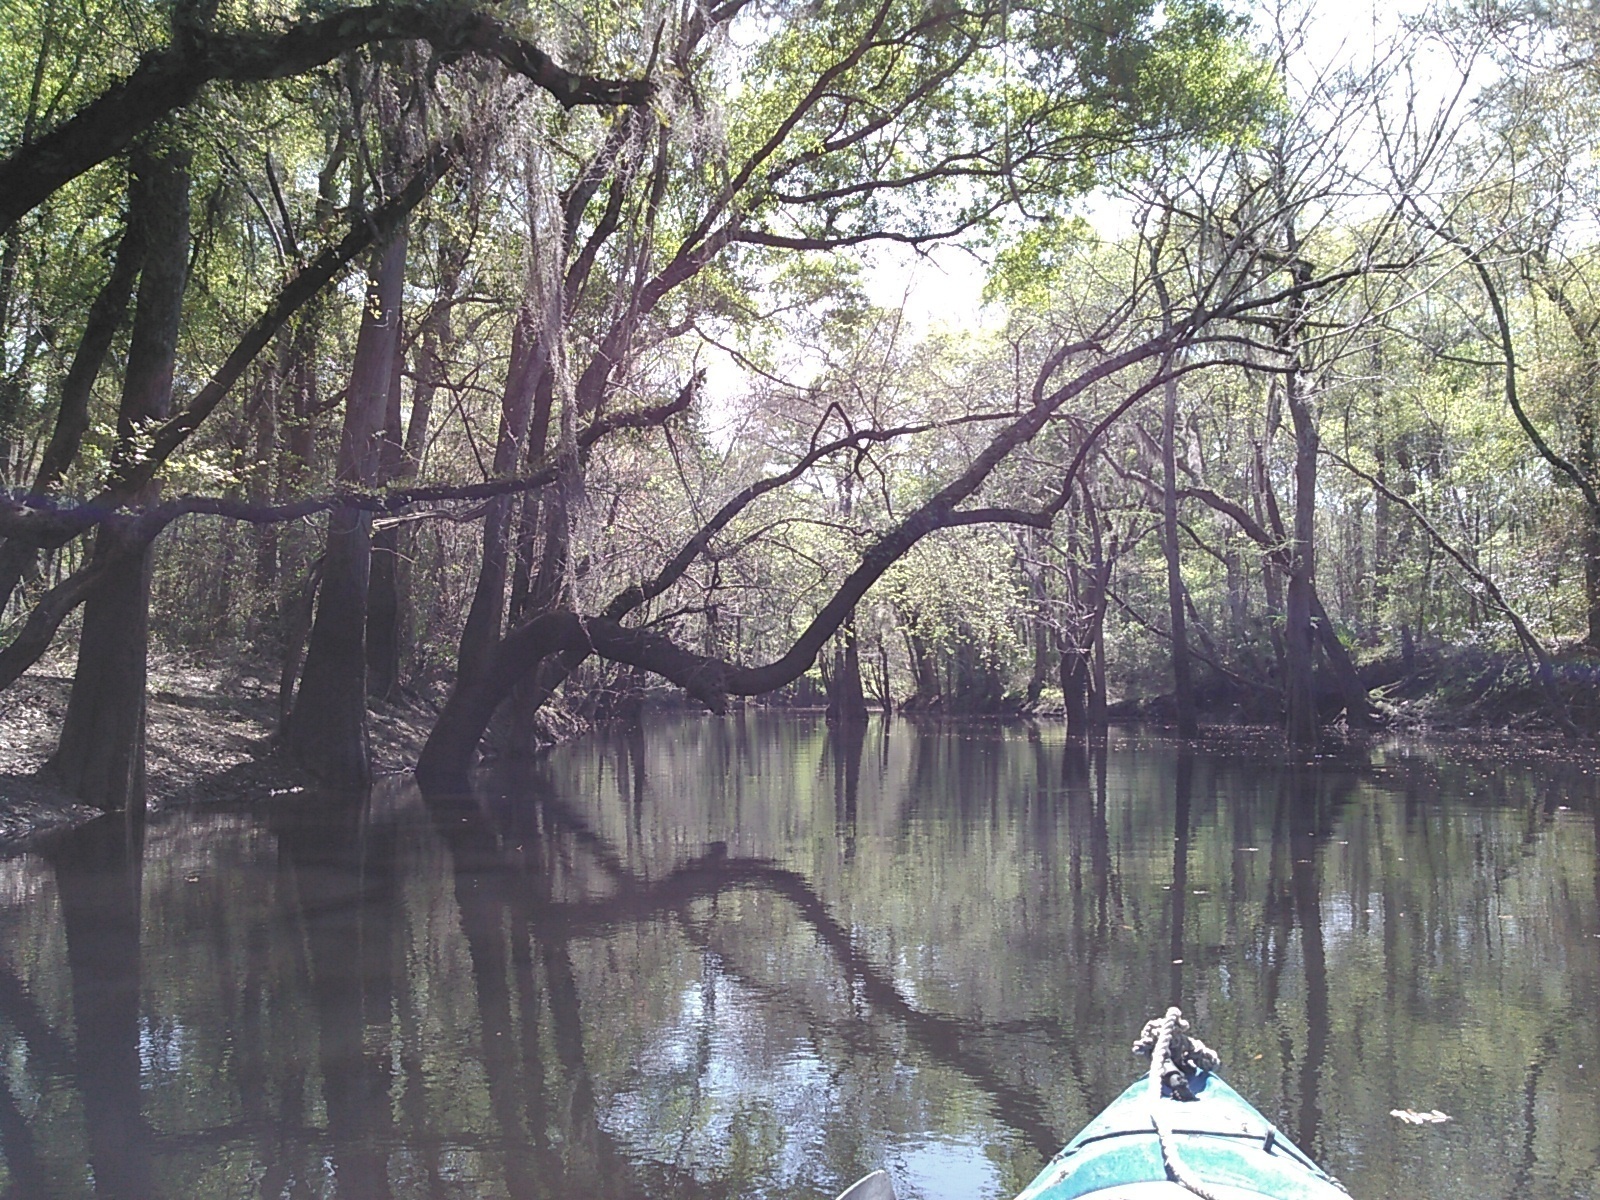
[754, 957]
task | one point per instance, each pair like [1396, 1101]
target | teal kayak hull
[1218, 1138]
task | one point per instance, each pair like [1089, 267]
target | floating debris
[1412, 1117]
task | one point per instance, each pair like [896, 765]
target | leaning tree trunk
[327, 727]
[100, 756]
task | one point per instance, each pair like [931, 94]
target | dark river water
[751, 957]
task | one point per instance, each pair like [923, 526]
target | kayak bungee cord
[1174, 1055]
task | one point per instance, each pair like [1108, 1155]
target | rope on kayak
[1174, 1056]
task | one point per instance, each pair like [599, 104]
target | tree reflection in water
[97, 876]
[757, 957]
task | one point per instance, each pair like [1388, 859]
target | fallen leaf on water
[1412, 1117]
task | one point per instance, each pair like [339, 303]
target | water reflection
[759, 957]
[98, 877]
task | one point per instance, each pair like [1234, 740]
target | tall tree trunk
[327, 727]
[1300, 697]
[383, 598]
[13, 376]
[1589, 465]
[1072, 645]
[531, 506]
[1098, 700]
[1031, 552]
[481, 632]
[264, 573]
[436, 343]
[847, 701]
[100, 756]
[1382, 560]
[1099, 593]
[1299, 652]
[1075, 670]
[1182, 677]
[296, 590]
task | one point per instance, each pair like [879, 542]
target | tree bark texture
[847, 700]
[100, 755]
[327, 728]
[487, 613]
[383, 587]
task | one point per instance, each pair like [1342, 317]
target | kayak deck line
[1270, 1141]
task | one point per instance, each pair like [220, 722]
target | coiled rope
[1174, 1056]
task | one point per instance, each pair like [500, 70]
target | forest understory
[209, 741]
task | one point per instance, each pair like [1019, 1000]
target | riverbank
[209, 739]
[210, 735]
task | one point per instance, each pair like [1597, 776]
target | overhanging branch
[170, 78]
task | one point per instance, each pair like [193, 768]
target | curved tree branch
[447, 756]
[170, 78]
[1491, 291]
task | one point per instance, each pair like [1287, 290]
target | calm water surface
[750, 957]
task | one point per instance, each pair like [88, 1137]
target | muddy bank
[209, 740]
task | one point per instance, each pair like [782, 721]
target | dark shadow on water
[339, 874]
[98, 882]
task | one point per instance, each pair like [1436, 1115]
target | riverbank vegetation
[506, 358]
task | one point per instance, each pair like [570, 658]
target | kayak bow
[1180, 1132]
[1223, 1142]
